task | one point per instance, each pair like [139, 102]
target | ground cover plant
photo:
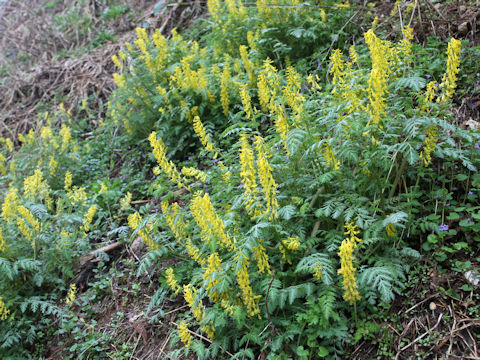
[291, 196]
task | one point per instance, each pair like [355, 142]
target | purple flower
[428, 76]
[443, 227]
[469, 220]
[478, 74]
[477, 147]
[189, 158]
[214, 161]
[470, 193]
[436, 84]
[252, 138]
[454, 188]
[319, 64]
[447, 204]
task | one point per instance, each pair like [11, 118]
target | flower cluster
[71, 295]
[347, 270]
[449, 80]
[429, 144]
[160, 153]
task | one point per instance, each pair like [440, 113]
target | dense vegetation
[295, 180]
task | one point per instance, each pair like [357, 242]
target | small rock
[463, 29]
[472, 124]
[472, 278]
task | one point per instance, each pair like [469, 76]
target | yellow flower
[171, 281]
[261, 257]
[449, 80]
[429, 95]
[3, 243]
[3, 310]
[336, 68]
[248, 65]
[212, 275]
[347, 269]
[318, 271]
[249, 179]
[353, 54]
[243, 279]
[134, 221]
[377, 82]
[71, 295]
[330, 156]
[246, 101]
[87, 219]
[53, 165]
[117, 62]
[195, 173]
[9, 143]
[266, 179]
[9, 206]
[159, 151]
[291, 244]
[66, 135]
[174, 220]
[33, 185]
[68, 181]
[119, 79]
[202, 135]
[429, 144]
[209, 222]
[125, 201]
[184, 334]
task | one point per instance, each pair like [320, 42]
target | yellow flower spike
[291, 244]
[263, 91]
[68, 181]
[195, 173]
[352, 53]
[45, 132]
[71, 295]
[9, 143]
[184, 334]
[377, 82]
[246, 101]
[53, 165]
[117, 62]
[249, 179]
[429, 144]
[34, 185]
[405, 43]
[3, 310]
[281, 124]
[134, 221]
[214, 9]
[243, 278]
[330, 156]
[125, 201]
[266, 179]
[10, 204]
[209, 222]
[318, 271]
[337, 66]
[119, 79]
[3, 243]
[247, 64]
[30, 218]
[203, 136]
[347, 269]
[160, 153]
[261, 257]
[213, 267]
[171, 281]
[87, 219]
[449, 80]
